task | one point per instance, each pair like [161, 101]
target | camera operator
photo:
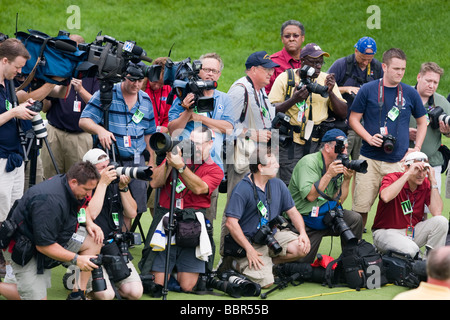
[183, 118]
[131, 123]
[319, 184]
[53, 227]
[110, 203]
[255, 203]
[197, 179]
[399, 225]
[385, 106]
[307, 108]
[427, 83]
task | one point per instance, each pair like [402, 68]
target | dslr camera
[184, 79]
[357, 165]
[264, 235]
[389, 143]
[286, 130]
[114, 265]
[140, 173]
[334, 219]
[37, 123]
[306, 73]
[162, 143]
[437, 114]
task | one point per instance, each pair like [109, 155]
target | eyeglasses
[208, 70]
[292, 35]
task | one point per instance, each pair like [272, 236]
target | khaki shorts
[367, 185]
[264, 276]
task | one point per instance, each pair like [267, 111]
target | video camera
[184, 79]
[306, 73]
[286, 130]
[437, 114]
[403, 270]
[357, 165]
[108, 59]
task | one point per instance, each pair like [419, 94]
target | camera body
[281, 122]
[437, 114]
[388, 143]
[184, 79]
[335, 220]
[162, 143]
[37, 123]
[357, 165]
[264, 235]
[306, 73]
[402, 270]
[115, 267]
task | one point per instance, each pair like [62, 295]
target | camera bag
[50, 56]
[355, 265]
[188, 229]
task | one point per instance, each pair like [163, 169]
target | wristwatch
[435, 187]
[74, 260]
[124, 189]
[181, 170]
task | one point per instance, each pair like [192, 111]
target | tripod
[31, 136]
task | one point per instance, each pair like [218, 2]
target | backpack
[359, 266]
[375, 67]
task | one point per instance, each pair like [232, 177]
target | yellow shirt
[425, 291]
[319, 104]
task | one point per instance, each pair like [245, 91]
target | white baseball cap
[95, 156]
[416, 156]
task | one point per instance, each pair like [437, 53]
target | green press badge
[406, 207]
[81, 216]
[262, 208]
[393, 113]
[180, 186]
[138, 116]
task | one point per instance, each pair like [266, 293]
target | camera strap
[261, 208]
[396, 110]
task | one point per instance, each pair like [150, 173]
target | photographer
[110, 203]
[54, 227]
[255, 204]
[436, 105]
[385, 106]
[319, 184]
[131, 123]
[399, 225]
[307, 106]
[198, 177]
[183, 117]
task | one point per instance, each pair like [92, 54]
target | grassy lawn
[235, 29]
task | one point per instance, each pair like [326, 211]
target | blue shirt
[121, 122]
[9, 135]
[222, 111]
[366, 102]
[243, 205]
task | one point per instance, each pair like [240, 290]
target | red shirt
[285, 61]
[159, 102]
[390, 215]
[209, 172]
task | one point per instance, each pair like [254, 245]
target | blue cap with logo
[366, 43]
[260, 58]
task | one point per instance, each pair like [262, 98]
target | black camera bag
[188, 229]
[118, 271]
[353, 266]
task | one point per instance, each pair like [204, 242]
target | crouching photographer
[110, 203]
[258, 235]
[319, 184]
[187, 180]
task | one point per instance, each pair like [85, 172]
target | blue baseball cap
[332, 134]
[366, 43]
[260, 58]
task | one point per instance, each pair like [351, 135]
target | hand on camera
[22, 112]
[108, 175]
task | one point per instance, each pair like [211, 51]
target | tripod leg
[51, 155]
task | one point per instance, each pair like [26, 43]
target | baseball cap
[312, 50]
[332, 134]
[93, 156]
[135, 72]
[366, 43]
[416, 156]
[260, 58]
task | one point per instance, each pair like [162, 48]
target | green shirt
[308, 170]
[433, 140]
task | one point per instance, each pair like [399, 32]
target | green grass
[235, 29]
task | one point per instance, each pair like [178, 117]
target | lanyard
[259, 202]
[263, 109]
[381, 102]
